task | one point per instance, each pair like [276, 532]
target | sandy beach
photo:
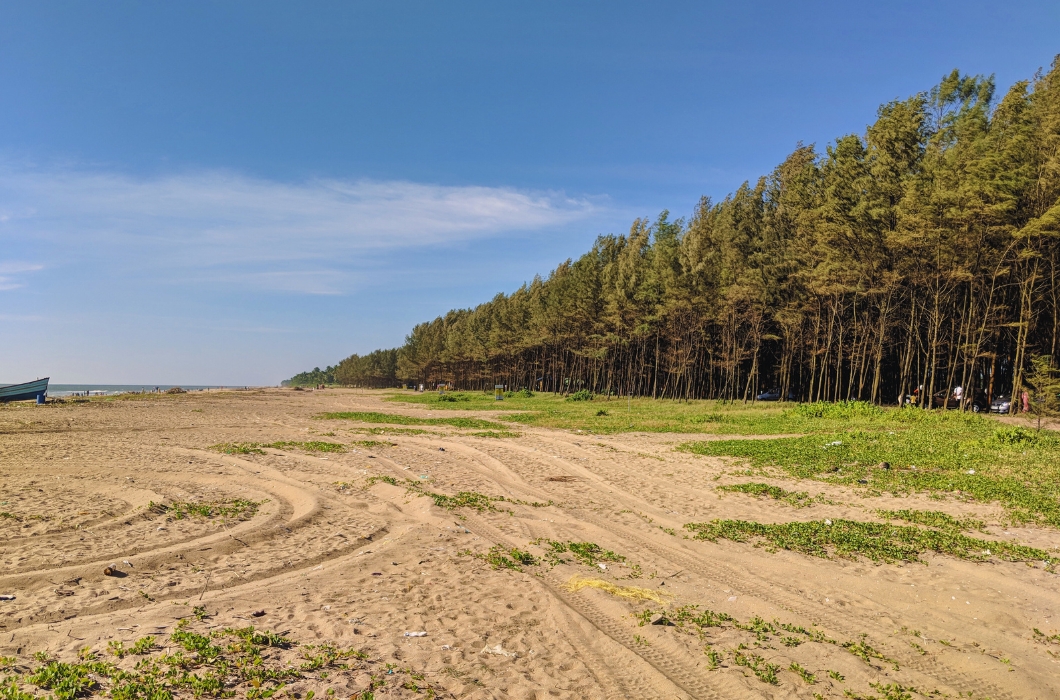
[329, 555]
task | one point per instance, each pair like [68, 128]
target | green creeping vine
[394, 419]
[500, 558]
[219, 664]
[965, 456]
[692, 619]
[254, 448]
[309, 446]
[588, 553]
[798, 499]
[237, 448]
[932, 518]
[235, 509]
[464, 499]
[879, 542]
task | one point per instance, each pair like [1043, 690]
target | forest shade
[922, 252]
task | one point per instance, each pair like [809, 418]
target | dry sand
[327, 559]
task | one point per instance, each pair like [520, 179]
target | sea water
[58, 390]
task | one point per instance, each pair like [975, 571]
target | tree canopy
[924, 252]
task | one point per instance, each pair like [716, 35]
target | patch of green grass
[701, 619]
[932, 518]
[765, 634]
[235, 509]
[143, 645]
[259, 638]
[199, 644]
[616, 415]
[802, 673]
[465, 401]
[139, 688]
[909, 450]
[1040, 636]
[894, 691]
[1015, 436]
[374, 443]
[876, 541]
[867, 653]
[642, 415]
[763, 670]
[9, 690]
[497, 434]
[798, 499]
[464, 499]
[233, 662]
[452, 398]
[238, 448]
[760, 627]
[393, 431]
[309, 446]
[373, 480]
[588, 553]
[645, 414]
[839, 410]
[500, 558]
[247, 448]
[391, 418]
[66, 681]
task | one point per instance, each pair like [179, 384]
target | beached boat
[24, 392]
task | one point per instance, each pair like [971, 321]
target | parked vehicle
[774, 395]
[946, 399]
[1002, 403]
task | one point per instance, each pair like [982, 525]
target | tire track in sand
[675, 669]
[777, 593]
[297, 508]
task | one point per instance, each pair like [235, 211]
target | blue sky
[231, 192]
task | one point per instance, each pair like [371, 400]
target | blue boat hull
[24, 392]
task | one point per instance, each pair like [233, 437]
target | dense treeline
[311, 378]
[377, 369]
[924, 252]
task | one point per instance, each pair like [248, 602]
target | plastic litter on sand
[498, 651]
[577, 583]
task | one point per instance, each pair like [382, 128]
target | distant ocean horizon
[59, 390]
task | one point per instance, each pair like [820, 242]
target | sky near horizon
[233, 192]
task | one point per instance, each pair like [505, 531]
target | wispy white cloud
[255, 232]
[9, 271]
